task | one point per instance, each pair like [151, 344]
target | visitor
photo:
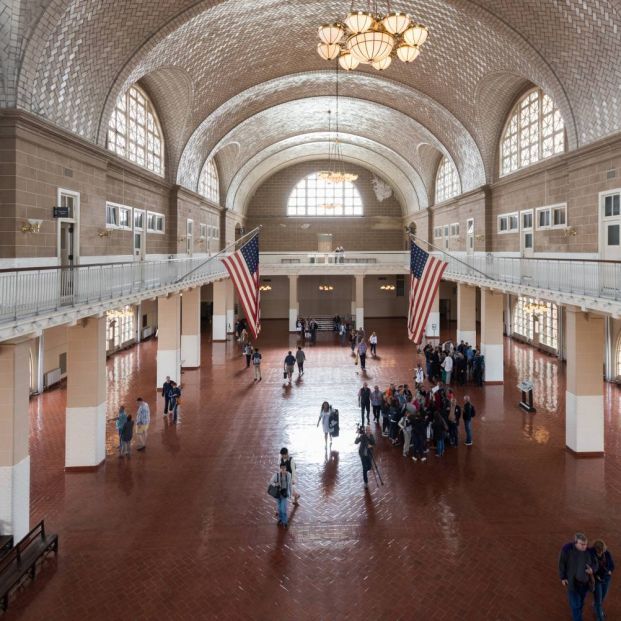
[289, 366]
[362, 353]
[282, 480]
[324, 419]
[248, 353]
[175, 401]
[576, 566]
[120, 422]
[364, 402]
[376, 402]
[126, 436]
[367, 441]
[603, 568]
[292, 470]
[300, 358]
[256, 363]
[373, 344]
[166, 390]
[468, 413]
[440, 429]
[143, 418]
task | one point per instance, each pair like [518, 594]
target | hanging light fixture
[371, 37]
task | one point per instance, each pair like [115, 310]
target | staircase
[325, 322]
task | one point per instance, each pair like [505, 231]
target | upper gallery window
[447, 181]
[535, 130]
[208, 184]
[313, 196]
[134, 131]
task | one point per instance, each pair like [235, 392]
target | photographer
[366, 440]
[282, 480]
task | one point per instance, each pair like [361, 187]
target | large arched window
[208, 184]
[447, 181]
[134, 131]
[535, 130]
[313, 196]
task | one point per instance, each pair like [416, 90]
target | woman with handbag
[324, 419]
[280, 488]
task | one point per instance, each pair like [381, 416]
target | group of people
[339, 254]
[447, 363]
[171, 392]
[127, 427]
[307, 329]
[583, 570]
[283, 484]
[291, 360]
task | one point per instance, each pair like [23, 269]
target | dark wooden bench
[20, 562]
[6, 543]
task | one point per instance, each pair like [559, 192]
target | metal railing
[592, 278]
[30, 292]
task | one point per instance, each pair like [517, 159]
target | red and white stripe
[422, 293]
[247, 288]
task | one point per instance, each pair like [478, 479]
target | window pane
[313, 196]
[613, 235]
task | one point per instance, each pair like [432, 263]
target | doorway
[470, 236]
[68, 243]
[526, 233]
[610, 226]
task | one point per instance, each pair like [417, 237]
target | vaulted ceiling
[240, 79]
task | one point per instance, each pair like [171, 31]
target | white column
[230, 307]
[191, 328]
[14, 431]
[294, 305]
[584, 399]
[85, 431]
[492, 305]
[359, 300]
[168, 338]
[466, 314]
[432, 330]
[218, 325]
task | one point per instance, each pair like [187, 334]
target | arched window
[447, 181]
[535, 130]
[313, 196]
[208, 184]
[134, 131]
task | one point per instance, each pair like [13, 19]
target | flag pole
[415, 238]
[250, 236]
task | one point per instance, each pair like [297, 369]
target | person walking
[175, 401]
[373, 344]
[120, 422]
[366, 440]
[576, 567]
[362, 353]
[300, 358]
[603, 568]
[376, 403]
[405, 424]
[364, 402]
[143, 418]
[282, 479]
[324, 419]
[256, 364]
[292, 470]
[289, 365]
[166, 390]
[468, 413]
[248, 354]
[127, 434]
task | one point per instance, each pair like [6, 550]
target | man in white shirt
[143, 418]
[447, 365]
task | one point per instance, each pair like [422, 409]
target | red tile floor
[187, 531]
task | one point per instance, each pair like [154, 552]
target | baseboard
[584, 455]
[78, 469]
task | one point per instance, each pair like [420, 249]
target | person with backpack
[289, 366]
[256, 363]
[291, 469]
[248, 353]
[468, 413]
[282, 480]
[166, 390]
[175, 400]
[120, 422]
[127, 433]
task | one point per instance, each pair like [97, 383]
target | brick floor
[187, 531]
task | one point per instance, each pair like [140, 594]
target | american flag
[425, 275]
[243, 268]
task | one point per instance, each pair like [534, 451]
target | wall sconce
[388, 287]
[265, 288]
[479, 237]
[105, 233]
[33, 226]
[326, 288]
[570, 231]
[180, 239]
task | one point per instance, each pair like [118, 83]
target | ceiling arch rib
[277, 156]
[376, 123]
[440, 122]
[469, 40]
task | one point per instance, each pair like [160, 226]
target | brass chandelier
[372, 38]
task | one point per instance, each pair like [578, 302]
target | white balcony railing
[31, 292]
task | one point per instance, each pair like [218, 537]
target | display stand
[526, 388]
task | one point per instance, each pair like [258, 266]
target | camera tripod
[375, 468]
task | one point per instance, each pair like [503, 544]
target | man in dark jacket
[575, 568]
[364, 401]
[468, 413]
[166, 392]
[365, 450]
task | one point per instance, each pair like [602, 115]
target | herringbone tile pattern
[186, 530]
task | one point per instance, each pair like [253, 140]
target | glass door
[139, 234]
[68, 242]
[526, 233]
[470, 236]
[189, 237]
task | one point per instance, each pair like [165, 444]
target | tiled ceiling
[213, 68]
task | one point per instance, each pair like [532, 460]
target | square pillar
[492, 306]
[14, 432]
[294, 305]
[432, 329]
[584, 399]
[191, 328]
[85, 432]
[219, 311]
[359, 300]
[168, 338]
[466, 314]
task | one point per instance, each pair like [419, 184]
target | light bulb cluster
[265, 288]
[388, 287]
[326, 288]
[536, 308]
[371, 38]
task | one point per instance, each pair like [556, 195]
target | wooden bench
[20, 562]
[6, 543]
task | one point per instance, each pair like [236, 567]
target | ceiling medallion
[372, 38]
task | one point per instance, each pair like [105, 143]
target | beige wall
[54, 344]
[380, 228]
